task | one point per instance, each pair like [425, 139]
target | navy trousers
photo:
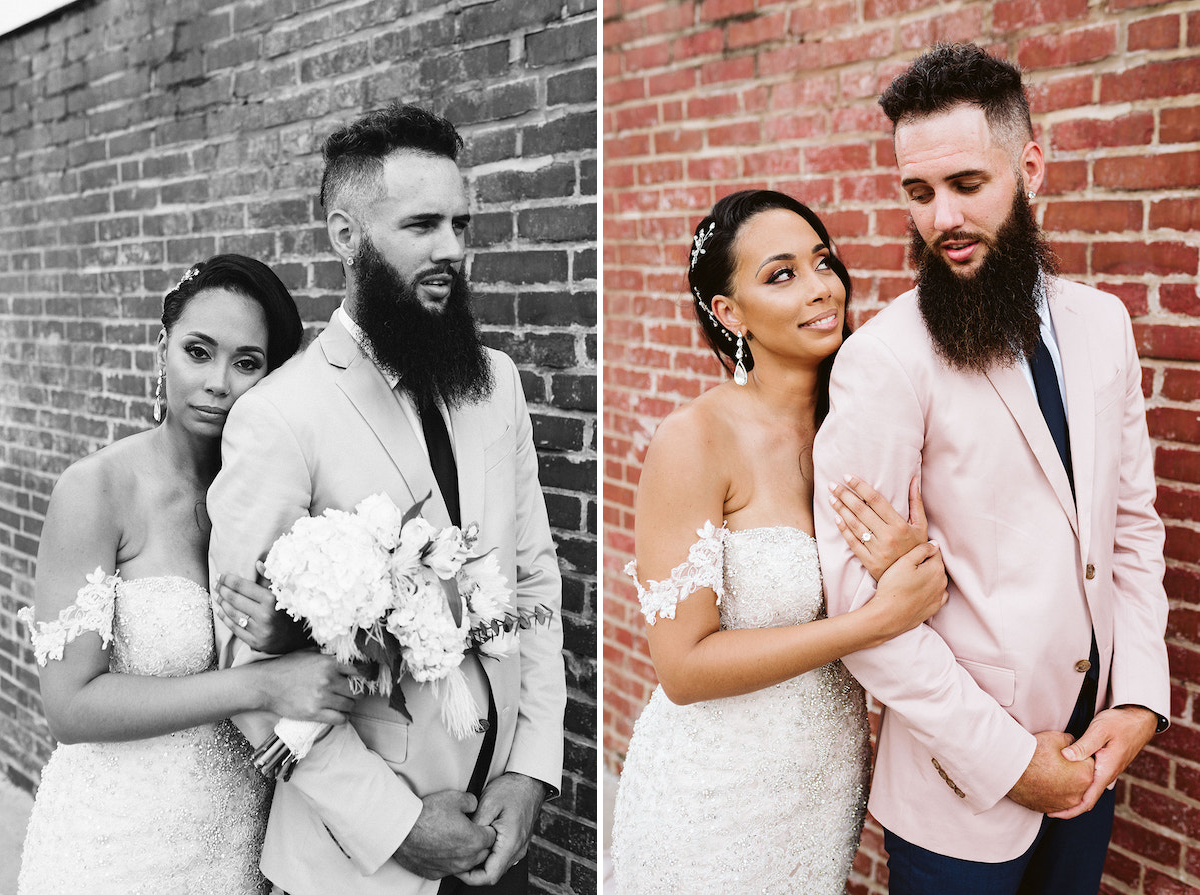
[1066, 858]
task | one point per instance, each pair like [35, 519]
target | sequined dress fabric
[182, 813]
[761, 793]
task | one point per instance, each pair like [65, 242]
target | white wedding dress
[183, 813]
[761, 793]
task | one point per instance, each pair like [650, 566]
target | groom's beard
[990, 318]
[434, 353]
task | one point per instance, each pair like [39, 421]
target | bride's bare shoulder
[699, 431]
[106, 477]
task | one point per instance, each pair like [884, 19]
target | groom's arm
[263, 487]
[537, 749]
[510, 803]
[875, 430]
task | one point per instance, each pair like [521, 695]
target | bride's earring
[158, 395]
[739, 371]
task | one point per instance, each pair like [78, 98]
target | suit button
[483, 722]
[1082, 665]
[1090, 573]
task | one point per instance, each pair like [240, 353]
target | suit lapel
[1012, 387]
[365, 388]
[467, 425]
[1071, 333]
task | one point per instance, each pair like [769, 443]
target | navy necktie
[1045, 383]
[441, 458]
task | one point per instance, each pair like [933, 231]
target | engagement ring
[243, 621]
[865, 536]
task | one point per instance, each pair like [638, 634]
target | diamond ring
[243, 621]
[865, 536]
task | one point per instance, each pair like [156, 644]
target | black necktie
[441, 458]
[1045, 383]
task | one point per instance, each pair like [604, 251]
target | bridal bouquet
[392, 594]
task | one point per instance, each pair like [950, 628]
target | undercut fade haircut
[354, 153]
[950, 75]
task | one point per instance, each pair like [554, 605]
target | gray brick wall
[137, 137]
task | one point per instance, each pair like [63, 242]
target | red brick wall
[139, 137]
[701, 98]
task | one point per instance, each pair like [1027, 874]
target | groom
[1017, 397]
[398, 395]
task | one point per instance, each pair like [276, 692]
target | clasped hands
[1065, 778]
[477, 841]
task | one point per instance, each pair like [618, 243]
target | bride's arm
[683, 485]
[86, 703]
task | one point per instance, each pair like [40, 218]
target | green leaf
[396, 701]
[415, 510]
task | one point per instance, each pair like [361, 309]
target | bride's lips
[209, 412]
[826, 321]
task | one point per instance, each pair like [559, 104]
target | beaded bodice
[762, 792]
[182, 812]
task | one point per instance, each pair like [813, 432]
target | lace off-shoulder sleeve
[702, 568]
[91, 611]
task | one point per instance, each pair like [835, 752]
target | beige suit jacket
[1031, 570]
[325, 430]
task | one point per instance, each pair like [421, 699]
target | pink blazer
[1031, 571]
[325, 431]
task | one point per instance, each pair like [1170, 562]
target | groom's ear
[344, 232]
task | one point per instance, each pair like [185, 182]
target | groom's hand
[1051, 783]
[510, 805]
[1113, 740]
[444, 840]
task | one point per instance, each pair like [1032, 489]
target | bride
[151, 789]
[748, 769]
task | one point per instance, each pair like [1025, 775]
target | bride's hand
[248, 609]
[911, 590]
[862, 512]
[306, 686]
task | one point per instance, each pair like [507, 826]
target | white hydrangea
[430, 642]
[332, 572]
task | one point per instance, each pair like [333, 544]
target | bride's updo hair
[254, 280]
[713, 262]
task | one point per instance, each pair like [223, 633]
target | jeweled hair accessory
[708, 310]
[191, 274]
[699, 240]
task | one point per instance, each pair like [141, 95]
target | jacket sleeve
[875, 430]
[537, 749]
[1140, 673]
[265, 485]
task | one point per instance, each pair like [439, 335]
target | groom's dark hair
[950, 75]
[354, 153]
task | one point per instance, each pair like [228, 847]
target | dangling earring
[739, 371]
[158, 395]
